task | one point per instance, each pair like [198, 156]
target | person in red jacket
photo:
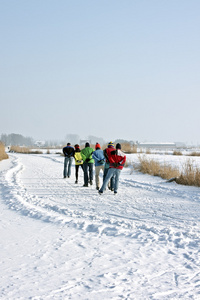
[107, 165]
[117, 161]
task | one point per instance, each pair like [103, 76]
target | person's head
[110, 145]
[68, 144]
[97, 146]
[87, 145]
[118, 146]
[77, 148]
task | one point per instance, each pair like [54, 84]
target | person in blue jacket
[68, 152]
[99, 160]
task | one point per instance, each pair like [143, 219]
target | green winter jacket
[86, 153]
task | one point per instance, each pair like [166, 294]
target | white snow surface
[60, 240]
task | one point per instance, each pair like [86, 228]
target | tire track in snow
[18, 198]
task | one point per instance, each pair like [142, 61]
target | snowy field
[62, 241]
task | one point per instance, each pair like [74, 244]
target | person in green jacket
[88, 163]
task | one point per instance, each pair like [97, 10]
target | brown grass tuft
[194, 154]
[189, 176]
[128, 148]
[18, 149]
[3, 154]
[175, 152]
[168, 172]
[24, 150]
[148, 151]
[152, 167]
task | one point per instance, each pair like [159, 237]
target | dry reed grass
[18, 149]
[148, 151]
[141, 150]
[134, 150]
[190, 174]
[175, 152]
[24, 150]
[194, 154]
[152, 167]
[3, 154]
[128, 148]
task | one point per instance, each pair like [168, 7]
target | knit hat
[118, 146]
[76, 146]
[97, 146]
[87, 145]
[110, 145]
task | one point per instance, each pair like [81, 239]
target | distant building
[156, 145]
[40, 143]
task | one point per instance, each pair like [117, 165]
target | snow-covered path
[63, 241]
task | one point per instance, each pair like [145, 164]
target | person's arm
[94, 156]
[122, 157]
[64, 152]
[106, 155]
[83, 155]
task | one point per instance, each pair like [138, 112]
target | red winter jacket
[117, 159]
[107, 152]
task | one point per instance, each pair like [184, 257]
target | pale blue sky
[113, 69]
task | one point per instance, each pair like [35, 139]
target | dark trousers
[76, 170]
[88, 167]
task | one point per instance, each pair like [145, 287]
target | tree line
[16, 139]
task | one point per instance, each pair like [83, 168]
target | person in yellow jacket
[78, 161]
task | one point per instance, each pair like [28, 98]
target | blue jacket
[98, 157]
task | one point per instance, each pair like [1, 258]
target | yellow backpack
[78, 158]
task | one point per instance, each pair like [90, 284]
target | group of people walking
[110, 161]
